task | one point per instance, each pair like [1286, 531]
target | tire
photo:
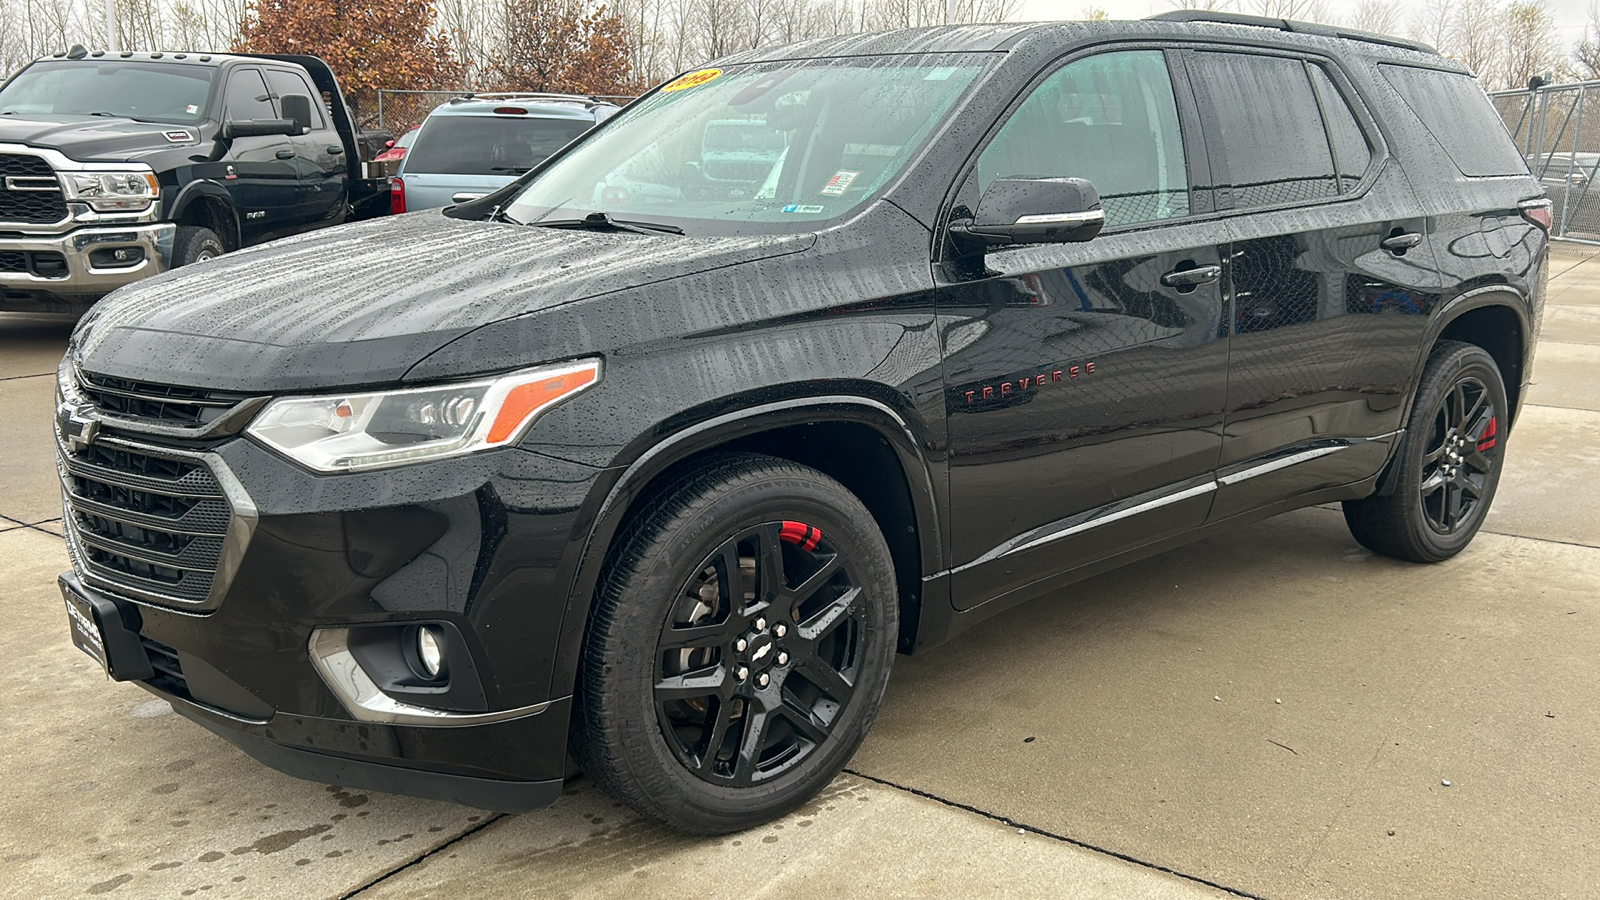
[714, 714]
[194, 244]
[1439, 502]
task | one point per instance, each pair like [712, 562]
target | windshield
[753, 147]
[489, 145]
[150, 92]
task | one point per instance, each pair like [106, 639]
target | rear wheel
[1450, 461]
[193, 244]
[740, 646]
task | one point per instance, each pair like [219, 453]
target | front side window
[1109, 118]
[247, 97]
[146, 91]
[1262, 111]
[754, 148]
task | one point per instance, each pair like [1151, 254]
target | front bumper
[88, 274]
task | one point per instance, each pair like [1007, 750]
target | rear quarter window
[1459, 117]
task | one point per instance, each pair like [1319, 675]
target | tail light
[397, 195]
[1537, 212]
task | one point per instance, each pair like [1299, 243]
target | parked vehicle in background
[395, 150]
[118, 166]
[603, 462]
[477, 144]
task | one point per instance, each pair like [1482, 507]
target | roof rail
[1290, 25]
[529, 95]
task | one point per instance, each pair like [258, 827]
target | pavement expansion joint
[423, 856]
[9, 524]
[17, 377]
[1085, 845]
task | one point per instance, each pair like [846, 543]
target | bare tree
[1302, 10]
[1586, 55]
[1431, 22]
[1475, 38]
[1376, 16]
[1211, 5]
[1530, 41]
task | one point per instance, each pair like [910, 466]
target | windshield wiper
[498, 214]
[602, 221]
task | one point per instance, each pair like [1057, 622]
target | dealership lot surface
[1274, 712]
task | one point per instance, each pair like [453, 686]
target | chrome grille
[144, 522]
[39, 201]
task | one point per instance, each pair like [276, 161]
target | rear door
[1330, 268]
[1084, 382]
[319, 162]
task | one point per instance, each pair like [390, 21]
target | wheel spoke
[826, 678]
[706, 682]
[728, 580]
[1452, 505]
[1433, 482]
[715, 734]
[826, 619]
[815, 581]
[1470, 490]
[1473, 415]
[750, 744]
[805, 723]
[1456, 413]
[769, 566]
[1434, 455]
[1480, 461]
[679, 637]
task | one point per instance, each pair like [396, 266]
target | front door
[258, 171]
[1084, 382]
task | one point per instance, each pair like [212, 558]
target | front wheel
[1450, 461]
[192, 244]
[740, 646]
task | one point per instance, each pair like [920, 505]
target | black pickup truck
[118, 166]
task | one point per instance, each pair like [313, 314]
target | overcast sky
[1570, 14]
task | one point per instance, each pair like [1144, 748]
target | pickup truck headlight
[350, 432]
[112, 191]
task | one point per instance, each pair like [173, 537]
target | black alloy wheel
[760, 654]
[1449, 461]
[739, 645]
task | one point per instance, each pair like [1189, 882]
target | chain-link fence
[1560, 138]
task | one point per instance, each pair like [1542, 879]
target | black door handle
[284, 154]
[335, 150]
[1181, 278]
[1400, 243]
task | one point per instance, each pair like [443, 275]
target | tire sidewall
[191, 241]
[671, 560]
[1438, 380]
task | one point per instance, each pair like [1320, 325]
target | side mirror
[257, 128]
[297, 109]
[1032, 211]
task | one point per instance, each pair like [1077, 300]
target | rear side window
[247, 97]
[1458, 115]
[1351, 153]
[1263, 112]
[489, 145]
[284, 83]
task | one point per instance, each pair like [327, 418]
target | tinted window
[247, 97]
[152, 92]
[1350, 151]
[293, 83]
[1110, 119]
[1458, 115]
[1263, 114]
[489, 145]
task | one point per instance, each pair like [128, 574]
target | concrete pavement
[1271, 713]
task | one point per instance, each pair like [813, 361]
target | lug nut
[741, 673]
[760, 624]
[739, 645]
[780, 629]
[783, 659]
[763, 679]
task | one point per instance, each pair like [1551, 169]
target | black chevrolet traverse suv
[660, 466]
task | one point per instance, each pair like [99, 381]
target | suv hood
[92, 138]
[361, 304]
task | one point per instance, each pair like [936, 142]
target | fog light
[430, 650]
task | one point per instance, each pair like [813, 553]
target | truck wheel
[1450, 461]
[739, 646]
[194, 244]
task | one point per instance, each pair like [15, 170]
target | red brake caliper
[807, 537]
[1487, 439]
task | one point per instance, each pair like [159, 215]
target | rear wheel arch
[888, 472]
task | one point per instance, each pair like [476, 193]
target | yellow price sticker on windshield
[693, 79]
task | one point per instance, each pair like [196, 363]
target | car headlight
[112, 191]
[349, 432]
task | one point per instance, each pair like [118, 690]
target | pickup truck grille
[142, 523]
[166, 404]
[29, 192]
